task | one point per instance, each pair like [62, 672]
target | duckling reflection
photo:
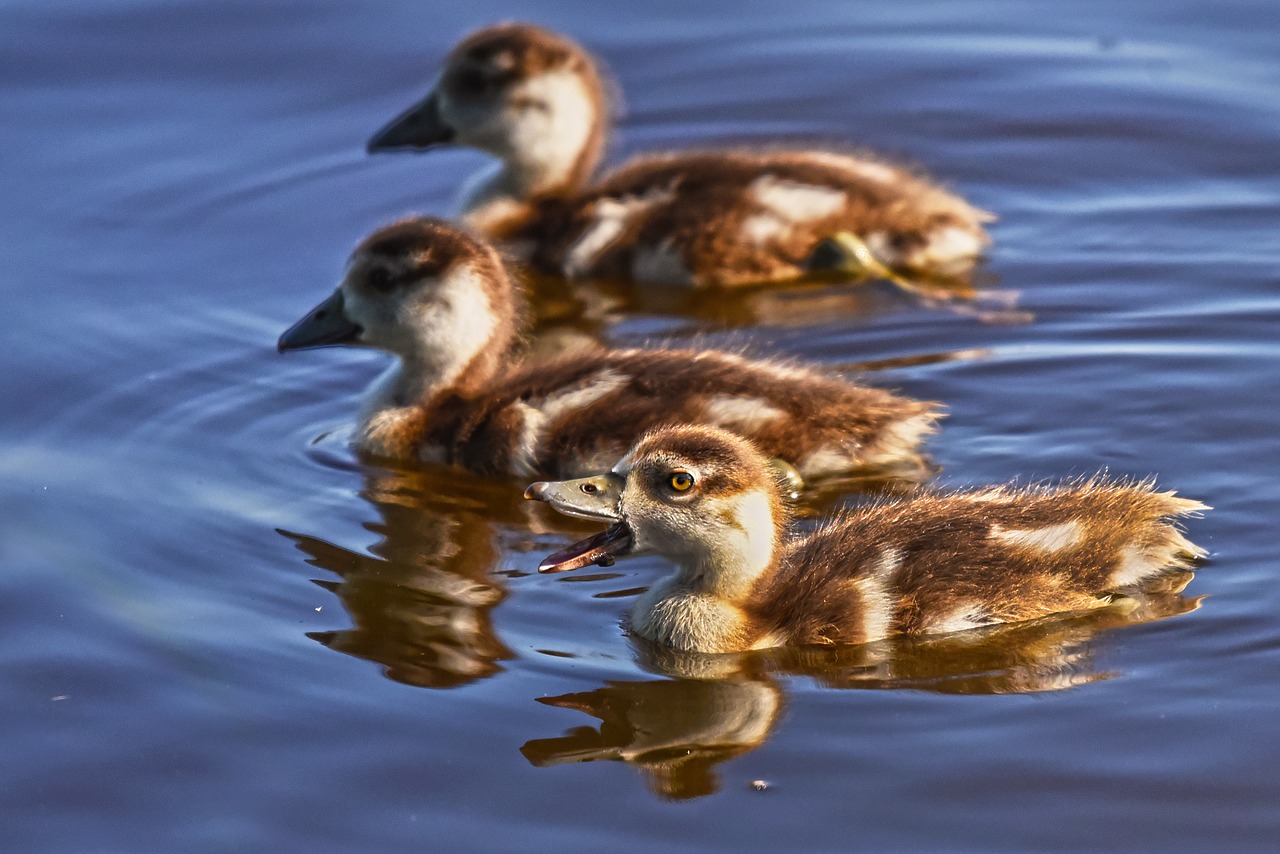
[713, 708]
[421, 603]
[592, 306]
[1051, 654]
[674, 731]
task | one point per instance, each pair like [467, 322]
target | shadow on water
[712, 708]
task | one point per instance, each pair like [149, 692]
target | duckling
[443, 303]
[934, 563]
[537, 101]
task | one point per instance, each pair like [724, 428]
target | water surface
[223, 628]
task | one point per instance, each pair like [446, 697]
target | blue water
[223, 632]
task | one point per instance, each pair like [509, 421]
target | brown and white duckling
[537, 101]
[442, 302]
[937, 562]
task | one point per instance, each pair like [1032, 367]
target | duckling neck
[553, 157]
[427, 377]
[460, 343]
[517, 180]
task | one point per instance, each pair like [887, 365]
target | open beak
[324, 325]
[586, 498]
[418, 127]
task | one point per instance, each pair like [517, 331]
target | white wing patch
[949, 249]
[970, 615]
[537, 418]
[794, 202]
[874, 595]
[582, 394]
[760, 227]
[524, 455]
[1140, 563]
[612, 216]
[742, 413]
[1052, 538]
[825, 460]
[901, 438]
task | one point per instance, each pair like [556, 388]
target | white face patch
[539, 129]
[1052, 538]
[453, 324]
[739, 413]
[611, 219]
[796, 202]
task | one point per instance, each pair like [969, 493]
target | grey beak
[418, 127]
[587, 498]
[324, 325]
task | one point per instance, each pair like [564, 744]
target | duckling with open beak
[936, 562]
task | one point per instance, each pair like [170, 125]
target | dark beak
[586, 498]
[324, 325]
[419, 127]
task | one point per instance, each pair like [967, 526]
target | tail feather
[1165, 549]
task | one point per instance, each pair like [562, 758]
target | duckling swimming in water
[937, 562]
[537, 100]
[442, 302]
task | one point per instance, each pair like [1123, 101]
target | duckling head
[424, 291]
[524, 94]
[700, 495]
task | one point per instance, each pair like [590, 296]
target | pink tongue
[599, 549]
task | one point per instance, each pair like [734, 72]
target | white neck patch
[450, 327]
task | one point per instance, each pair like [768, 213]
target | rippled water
[223, 630]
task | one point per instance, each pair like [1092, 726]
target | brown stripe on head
[425, 246]
[725, 462]
[513, 50]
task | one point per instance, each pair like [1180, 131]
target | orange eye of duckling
[680, 481]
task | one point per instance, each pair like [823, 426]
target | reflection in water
[715, 707]
[674, 731]
[590, 308]
[421, 603]
[1050, 654]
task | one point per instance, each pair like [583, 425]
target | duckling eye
[380, 279]
[470, 81]
[589, 488]
[680, 481]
